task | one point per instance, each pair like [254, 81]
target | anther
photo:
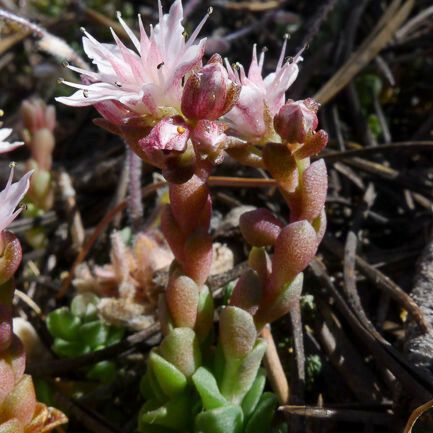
[86, 93]
[12, 164]
[210, 10]
[160, 65]
[118, 84]
[180, 129]
[60, 80]
[65, 63]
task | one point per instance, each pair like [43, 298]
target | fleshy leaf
[175, 414]
[228, 419]
[94, 333]
[239, 374]
[261, 419]
[180, 347]
[294, 249]
[182, 297]
[282, 166]
[253, 396]
[63, 324]
[260, 227]
[205, 312]
[20, 403]
[237, 332]
[207, 387]
[171, 380]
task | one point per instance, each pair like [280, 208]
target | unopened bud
[209, 93]
[296, 119]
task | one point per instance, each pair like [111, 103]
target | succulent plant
[78, 330]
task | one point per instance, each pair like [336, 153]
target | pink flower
[209, 139]
[260, 98]
[169, 134]
[10, 197]
[147, 81]
[5, 146]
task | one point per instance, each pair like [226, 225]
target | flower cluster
[182, 116]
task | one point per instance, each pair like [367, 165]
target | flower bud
[296, 119]
[209, 93]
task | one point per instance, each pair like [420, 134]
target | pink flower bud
[296, 120]
[260, 227]
[209, 139]
[209, 93]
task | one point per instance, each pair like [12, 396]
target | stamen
[210, 10]
[160, 65]
[12, 164]
[2, 113]
[181, 129]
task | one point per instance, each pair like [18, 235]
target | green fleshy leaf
[218, 364]
[180, 348]
[115, 335]
[85, 306]
[252, 397]
[69, 349]
[94, 333]
[63, 324]
[175, 414]
[261, 419]
[228, 419]
[145, 427]
[171, 380]
[207, 387]
[157, 391]
[103, 371]
[205, 312]
[239, 374]
[146, 390]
